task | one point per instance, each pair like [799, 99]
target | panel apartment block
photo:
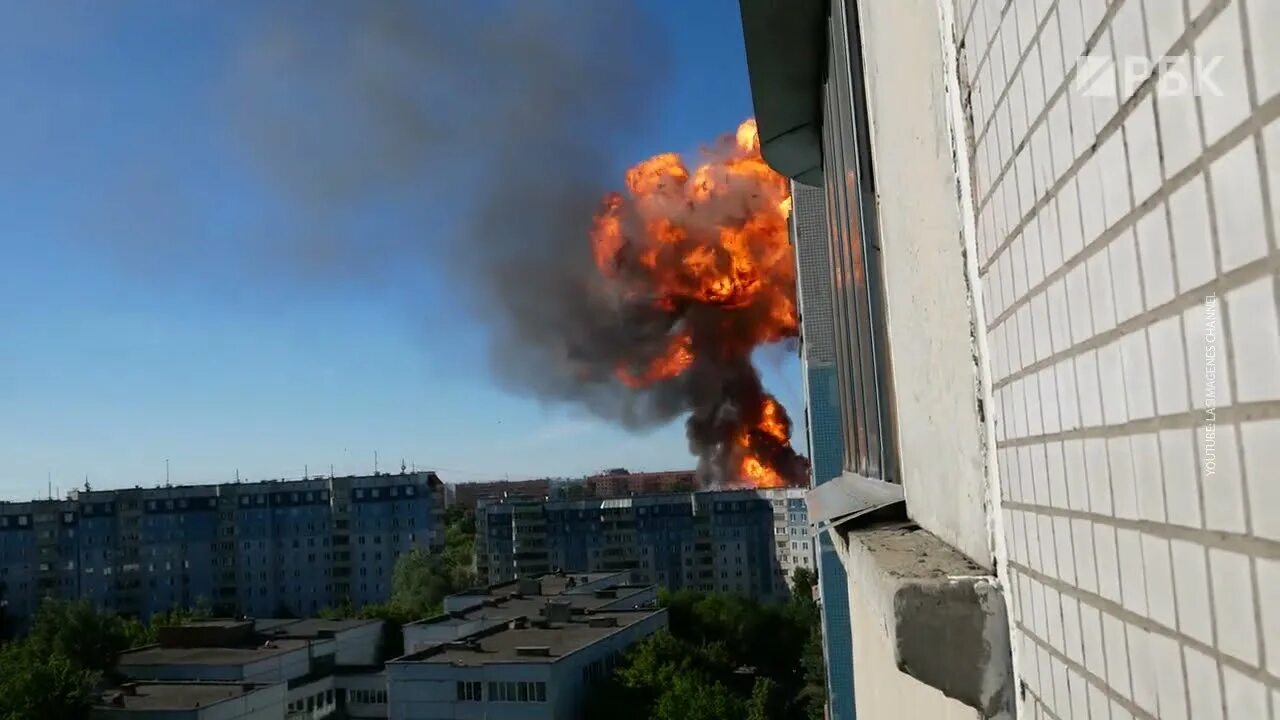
[742, 541]
[823, 427]
[261, 548]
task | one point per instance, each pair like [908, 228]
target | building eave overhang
[786, 54]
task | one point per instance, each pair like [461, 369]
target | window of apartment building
[855, 262]
[469, 691]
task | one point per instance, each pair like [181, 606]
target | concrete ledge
[944, 616]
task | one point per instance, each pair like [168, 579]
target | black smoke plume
[498, 126]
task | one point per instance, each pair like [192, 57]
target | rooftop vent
[558, 611]
[606, 593]
[533, 651]
[602, 622]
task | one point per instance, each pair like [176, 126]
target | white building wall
[1144, 546]
[364, 693]
[263, 704]
[319, 692]
[359, 645]
[282, 667]
[422, 635]
[936, 381]
[428, 691]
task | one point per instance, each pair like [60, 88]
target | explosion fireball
[704, 257]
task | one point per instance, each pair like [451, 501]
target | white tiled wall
[1144, 585]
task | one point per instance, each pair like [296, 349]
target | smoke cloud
[497, 127]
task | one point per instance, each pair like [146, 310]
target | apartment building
[469, 494]
[620, 482]
[736, 541]
[259, 548]
[823, 427]
[1052, 233]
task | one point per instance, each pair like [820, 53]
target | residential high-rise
[739, 541]
[822, 425]
[260, 548]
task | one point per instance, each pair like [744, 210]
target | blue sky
[115, 355]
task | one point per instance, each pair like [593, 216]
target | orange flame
[716, 236]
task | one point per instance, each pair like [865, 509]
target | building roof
[507, 601]
[532, 643]
[172, 695]
[549, 584]
[310, 628]
[156, 655]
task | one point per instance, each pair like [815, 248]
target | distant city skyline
[121, 347]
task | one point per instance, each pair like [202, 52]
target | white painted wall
[423, 635]
[1145, 581]
[425, 691]
[320, 709]
[358, 646]
[283, 666]
[263, 704]
[941, 444]
[363, 681]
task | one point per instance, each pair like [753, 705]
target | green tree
[803, 583]
[38, 686]
[78, 632]
[723, 656]
[419, 583]
[767, 701]
[693, 697]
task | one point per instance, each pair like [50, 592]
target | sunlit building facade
[823, 429]
[257, 548]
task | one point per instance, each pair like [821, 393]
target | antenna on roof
[402, 466]
[306, 472]
[375, 462]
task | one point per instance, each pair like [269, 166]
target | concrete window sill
[944, 615]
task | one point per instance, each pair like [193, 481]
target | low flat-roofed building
[356, 642]
[269, 661]
[306, 666]
[317, 658]
[192, 701]
[483, 608]
[520, 668]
